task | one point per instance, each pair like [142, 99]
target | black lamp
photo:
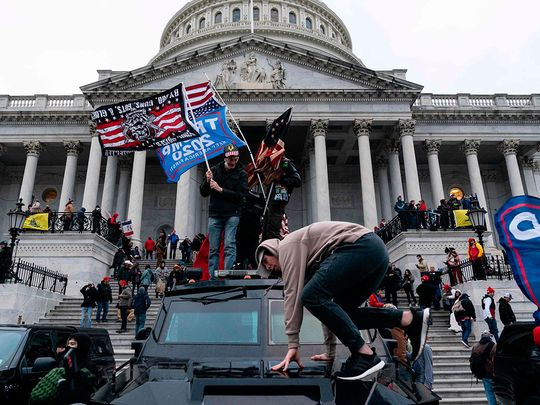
[477, 216]
[16, 221]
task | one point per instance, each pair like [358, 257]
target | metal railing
[40, 277]
[491, 268]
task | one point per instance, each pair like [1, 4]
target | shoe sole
[370, 371]
[424, 332]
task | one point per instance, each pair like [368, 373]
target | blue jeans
[466, 328]
[140, 320]
[345, 280]
[217, 226]
[102, 306]
[492, 325]
[86, 317]
[490, 394]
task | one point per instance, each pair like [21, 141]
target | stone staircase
[68, 313]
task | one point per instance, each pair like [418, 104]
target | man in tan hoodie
[331, 268]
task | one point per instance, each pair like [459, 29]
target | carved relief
[319, 127]
[251, 72]
[470, 146]
[392, 146]
[92, 128]
[73, 148]
[509, 146]
[406, 127]
[277, 77]
[33, 147]
[362, 127]
[432, 146]
[526, 162]
[226, 77]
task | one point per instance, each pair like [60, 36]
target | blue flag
[518, 226]
[215, 135]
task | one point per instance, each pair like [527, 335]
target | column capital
[73, 148]
[406, 127]
[526, 162]
[432, 146]
[318, 127]
[470, 146]
[33, 148]
[392, 146]
[3, 149]
[381, 162]
[233, 127]
[536, 166]
[124, 162]
[509, 147]
[92, 128]
[362, 127]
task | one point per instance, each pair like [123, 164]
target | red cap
[123, 283]
[425, 278]
[490, 290]
[536, 335]
[446, 287]
[106, 278]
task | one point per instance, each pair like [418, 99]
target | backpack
[480, 361]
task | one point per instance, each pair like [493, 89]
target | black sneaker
[417, 332]
[359, 366]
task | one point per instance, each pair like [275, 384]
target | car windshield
[310, 333]
[225, 323]
[9, 341]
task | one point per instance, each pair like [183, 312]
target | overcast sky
[466, 46]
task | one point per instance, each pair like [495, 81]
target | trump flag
[518, 226]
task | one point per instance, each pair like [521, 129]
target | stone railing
[44, 102]
[450, 101]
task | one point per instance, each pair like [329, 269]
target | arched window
[202, 23]
[323, 31]
[292, 18]
[309, 24]
[236, 15]
[188, 29]
[218, 18]
[274, 15]
[256, 14]
[333, 36]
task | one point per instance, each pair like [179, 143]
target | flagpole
[251, 16]
[240, 132]
[197, 127]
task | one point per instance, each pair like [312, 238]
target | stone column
[382, 173]
[406, 131]
[536, 172]
[107, 198]
[396, 185]
[432, 147]
[33, 149]
[136, 195]
[125, 164]
[509, 148]
[527, 167]
[470, 147]
[361, 129]
[186, 201]
[92, 174]
[318, 129]
[73, 148]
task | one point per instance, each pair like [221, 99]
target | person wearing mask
[475, 254]
[226, 185]
[104, 298]
[89, 293]
[408, 286]
[124, 304]
[506, 313]
[488, 311]
[141, 303]
[465, 314]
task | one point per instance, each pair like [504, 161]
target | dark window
[40, 345]
[309, 24]
[274, 15]
[323, 31]
[188, 29]
[218, 18]
[224, 323]
[311, 332]
[292, 18]
[236, 15]
[9, 342]
[202, 23]
[256, 14]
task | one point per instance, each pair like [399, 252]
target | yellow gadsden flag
[462, 219]
[38, 222]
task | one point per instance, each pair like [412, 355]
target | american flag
[270, 152]
[201, 99]
[144, 124]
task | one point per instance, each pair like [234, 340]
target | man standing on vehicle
[331, 268]
[226, 184]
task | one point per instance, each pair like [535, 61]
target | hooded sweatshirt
[299, 253]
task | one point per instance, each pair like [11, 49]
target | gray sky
[466, 46]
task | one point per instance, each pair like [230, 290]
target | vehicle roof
[45, 326]
[222, 285]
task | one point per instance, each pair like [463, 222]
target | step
[460, 392]
[461, 383]
[464, 401]
[457, 367]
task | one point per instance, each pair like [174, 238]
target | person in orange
[475, 254]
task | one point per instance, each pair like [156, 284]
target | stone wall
[28, 303]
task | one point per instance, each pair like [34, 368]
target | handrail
[32, 275]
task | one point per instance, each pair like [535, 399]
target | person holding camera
[89, 293]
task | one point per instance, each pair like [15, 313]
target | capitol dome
[310, 24]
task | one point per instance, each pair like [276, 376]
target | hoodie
[141, 302]
[299, 254]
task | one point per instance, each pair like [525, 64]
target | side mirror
[43, 364]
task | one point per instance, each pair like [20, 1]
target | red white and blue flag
[149, 123]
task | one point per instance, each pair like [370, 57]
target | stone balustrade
[44, 102]
[428, 100]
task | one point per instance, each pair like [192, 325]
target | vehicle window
[101, 346]
[40, 345]
[228, 322]
[311, 332]
[9, 341]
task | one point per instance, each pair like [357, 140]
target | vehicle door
[102, 354]
[40, 344]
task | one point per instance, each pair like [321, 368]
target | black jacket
[468, 308]
[104, 293]
[89, 296]
[506, 312]
[234, 184]
[426, 294]
[289, 179]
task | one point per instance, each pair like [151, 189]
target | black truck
[215, 343]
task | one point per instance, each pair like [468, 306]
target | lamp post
[16, 221]
[477, 216]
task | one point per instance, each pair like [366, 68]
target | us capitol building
[361, 137]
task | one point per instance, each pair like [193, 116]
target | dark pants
[410, 293]
[466, 328]
[390, 296]
[172, 253]
[96, 227]
[149, 254]
[102, 308]
[492, 325]
[124, 315]
[272, 222]
[343, 282]
[478, 270]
